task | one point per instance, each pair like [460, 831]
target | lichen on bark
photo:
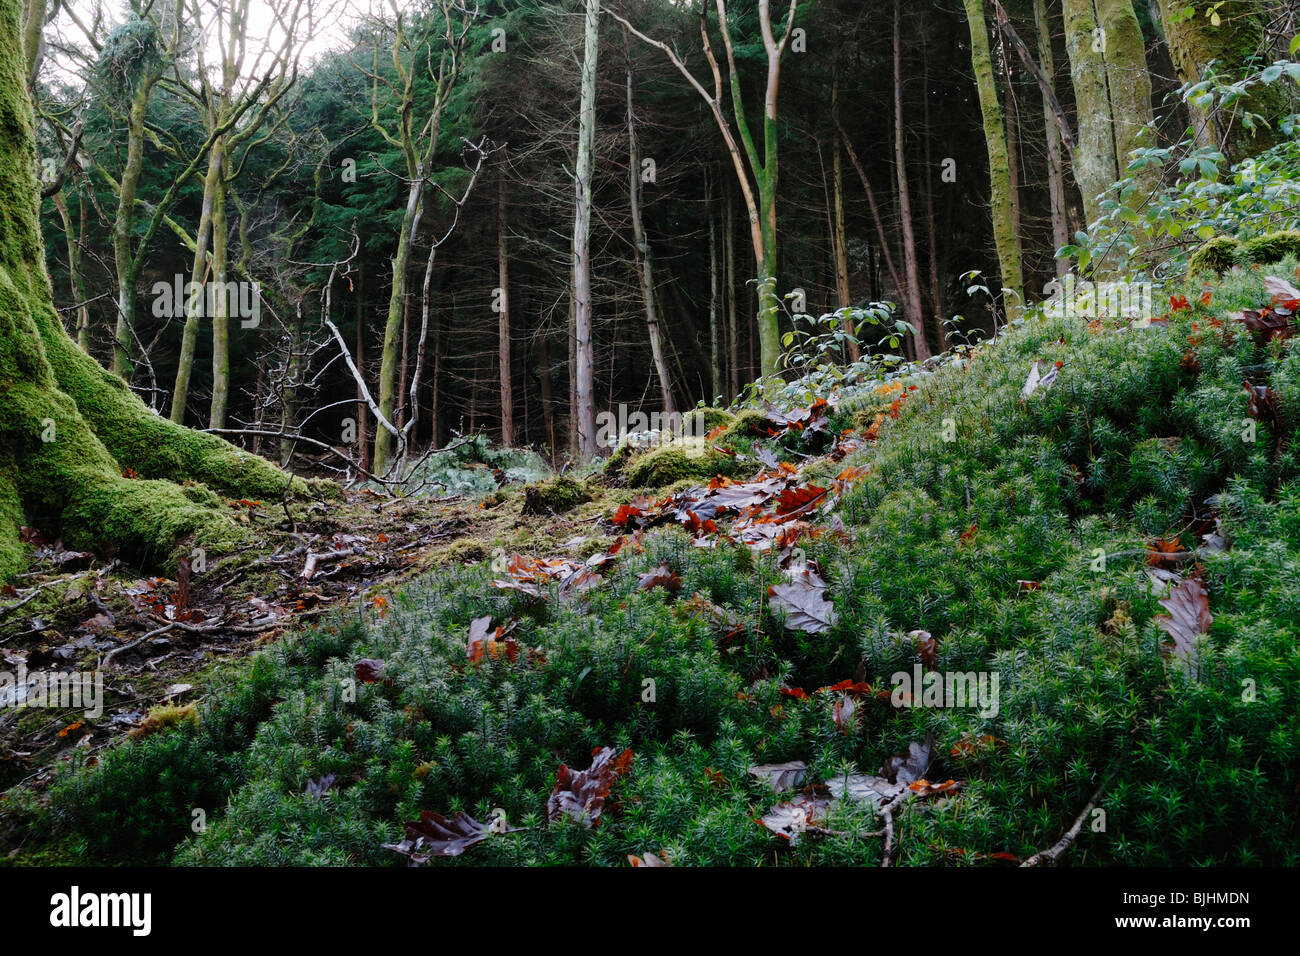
[1228, 34]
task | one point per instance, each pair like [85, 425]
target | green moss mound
[701, 421]
[556, 496]
[1214, 256]
[1272, 247]
[688, 458]
[750, 423]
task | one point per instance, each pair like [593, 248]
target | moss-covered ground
[1027, 536]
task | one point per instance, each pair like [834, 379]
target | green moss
[467, 551]
[13, 553]
[617, 462]
[166, 717]
[672, 463]
[1216, 255]
[556, 496]
[69, 431]
[1272, 247]
[750, 424]
[708, 419]
[864, 418]
[200, 495]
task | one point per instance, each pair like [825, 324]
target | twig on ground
[136, 643]
[1049, 855]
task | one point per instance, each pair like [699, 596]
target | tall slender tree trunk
[839, 242]
[390, 356]
[363, 412]
[289, 393]
[912, 276]
[729, 283]
[198, 276]
[572, 339]
[936, 280]
[124, 258]
[643, 259]
[503, 319]
[1013, 150]
[1001, 185]
[715, 333]
[221, 302]
[1112, 91]
[76, 280]
[544, 390]
[1055, 161]
[403, 366]
[584, 373]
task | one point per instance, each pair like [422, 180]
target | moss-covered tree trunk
[1226, 33]
[68, 429]
[393, 327]
[221, 301]
[76, 279]
[1112, 89]
[1000, 180]
[198, 276]
[124, 258]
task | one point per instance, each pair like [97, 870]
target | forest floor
[701, 653]
[157, 641]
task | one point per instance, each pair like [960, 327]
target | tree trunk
[1112, 92]
[544, 390]
[729, 282]
[503, 320]
[363, 412]
[221, 301]
[839, 242]
[572, 366]
[1055, 162]
[1003, 205]
[1013, 150]
[393, 328]
[936, 280]
[76, 280]
[403, 366]
[642, 256]
[912, 276]
[199, 276]
[1194, 41]
[715, 344]
[584, 373]
[289, 392]
[68, 429]
[124, 258]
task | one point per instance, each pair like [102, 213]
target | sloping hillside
[1112, 556]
